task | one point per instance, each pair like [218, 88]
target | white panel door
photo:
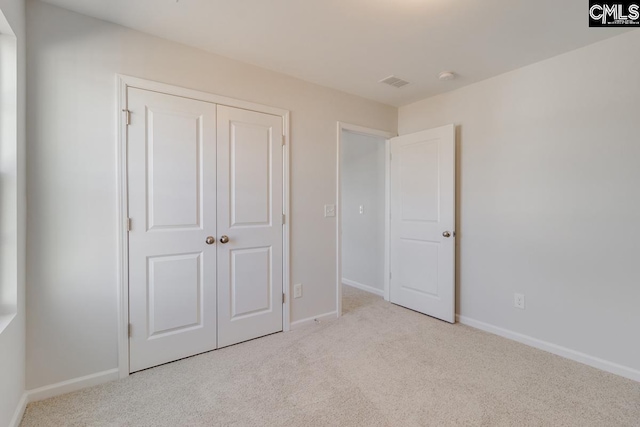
[250, 180]
[422, 222]
[172, 204]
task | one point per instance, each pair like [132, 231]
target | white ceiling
[351, 44]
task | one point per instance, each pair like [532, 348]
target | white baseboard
[17, 415]
[605, 365]
[312, 320]
[363, 287]
[71, 385]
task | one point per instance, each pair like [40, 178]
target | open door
[422, 222]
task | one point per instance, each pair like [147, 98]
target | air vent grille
[394, 81]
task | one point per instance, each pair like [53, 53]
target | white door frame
[124, 82]
[368, 132]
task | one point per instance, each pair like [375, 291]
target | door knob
[224, 239]
[446, 234]
[210, 240]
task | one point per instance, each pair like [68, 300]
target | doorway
[362, 225]
[417, 258]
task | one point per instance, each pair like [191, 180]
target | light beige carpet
[379, 365]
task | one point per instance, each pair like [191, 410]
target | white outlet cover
[518, 301]
[329, 211]
[297, 290]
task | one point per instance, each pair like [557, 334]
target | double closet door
[205, 241]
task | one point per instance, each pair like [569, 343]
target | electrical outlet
[329, 210]
[518, 301]
[361, 209]
[297, 290]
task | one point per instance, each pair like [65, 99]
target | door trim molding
[123, 83]
[368, 132]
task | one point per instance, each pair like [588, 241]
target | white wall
[362, 184]
[73, 61]
[12, 225]
[549, 206]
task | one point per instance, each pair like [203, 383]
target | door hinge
[283, 297]
[284, 139]
[129, 330]
[284, 219]
[390, 275]
[127, 116]
[129, 221]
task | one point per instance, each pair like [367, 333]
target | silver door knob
[210, 240]
[224, 239]
[446, 234]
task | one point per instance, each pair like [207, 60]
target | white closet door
[250, 180]
[172, 204]
[422, 222]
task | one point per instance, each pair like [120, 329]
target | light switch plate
[329, 211]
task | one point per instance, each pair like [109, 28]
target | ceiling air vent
[394, 81]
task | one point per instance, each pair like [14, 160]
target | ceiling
[352, 44]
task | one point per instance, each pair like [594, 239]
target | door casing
[123, 83]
